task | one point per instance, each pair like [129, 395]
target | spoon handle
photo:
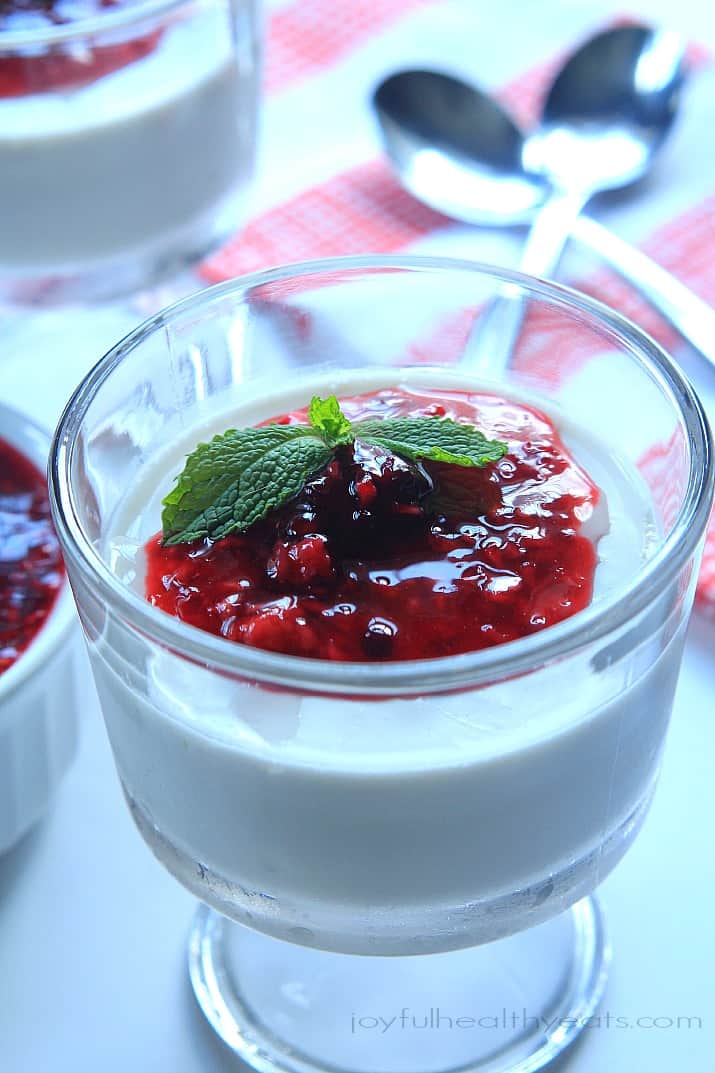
[496, 333]
[693, 318]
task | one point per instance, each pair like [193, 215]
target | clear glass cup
[303, 801]
[127, 141]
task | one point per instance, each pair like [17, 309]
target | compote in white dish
[38, 636]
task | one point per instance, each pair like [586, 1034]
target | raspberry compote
[62, 66]
[31, 570]
[363, 566]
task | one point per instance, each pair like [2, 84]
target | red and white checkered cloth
[323, 189]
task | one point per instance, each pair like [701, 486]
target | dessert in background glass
[127, 140]
[453, 813]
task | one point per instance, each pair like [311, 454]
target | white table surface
[92, 930]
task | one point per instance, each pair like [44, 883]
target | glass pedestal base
[510, 1005]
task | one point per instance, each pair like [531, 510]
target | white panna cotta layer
[318, 811]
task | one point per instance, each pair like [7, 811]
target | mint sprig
[328, 419]
[235, 479]
[436, 439]
[240, 476]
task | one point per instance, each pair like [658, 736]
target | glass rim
[92, 26]
[408, 677]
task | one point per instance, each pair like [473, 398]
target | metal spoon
[602, 123]
[457, 150]
[605, 116]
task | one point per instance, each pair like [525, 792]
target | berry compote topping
[40, 14]
[361, 566]
[63, 66]
[31, 570]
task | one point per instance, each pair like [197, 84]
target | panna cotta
[122, 149]
[393, 824]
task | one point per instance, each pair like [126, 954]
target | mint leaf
[238, 477]
[328, 419]
[439, 439]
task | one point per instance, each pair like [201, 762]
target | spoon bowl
[609, 110]
[456, 149]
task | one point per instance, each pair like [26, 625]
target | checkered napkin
[323, 189]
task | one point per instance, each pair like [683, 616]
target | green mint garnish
[238, 477]
[328, 419]
[435, 439]
[235, 479]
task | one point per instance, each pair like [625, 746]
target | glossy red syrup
[63, 66]
[31, 570]
[359, 567]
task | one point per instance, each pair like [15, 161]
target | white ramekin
[38, 693]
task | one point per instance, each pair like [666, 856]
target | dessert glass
[303, 801]
[127, 141]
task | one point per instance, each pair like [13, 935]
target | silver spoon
[457, 150]
[605, 116]
[602, 123]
